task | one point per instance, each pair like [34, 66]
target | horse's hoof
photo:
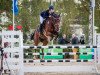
[42, 64]
[34, 58]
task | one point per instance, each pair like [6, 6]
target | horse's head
[52, 25]
[55, 22]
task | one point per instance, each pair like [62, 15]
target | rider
[44, 15]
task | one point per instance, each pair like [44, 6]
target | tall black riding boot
[41, 28]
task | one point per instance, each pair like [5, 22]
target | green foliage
[29, 13]
[97, 15]
[69, 13]
[5, 5]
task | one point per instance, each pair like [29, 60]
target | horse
[50, 31]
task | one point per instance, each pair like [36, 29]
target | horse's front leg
[49, 38]
[44, 44]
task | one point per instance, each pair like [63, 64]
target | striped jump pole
[59, 46]
[62, 60]
[63, 53]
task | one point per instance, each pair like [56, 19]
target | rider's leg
[41, 24]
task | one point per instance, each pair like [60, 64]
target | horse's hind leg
[36, 42]
[36, 56]
[44, 44]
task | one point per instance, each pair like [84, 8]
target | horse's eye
[58, 20]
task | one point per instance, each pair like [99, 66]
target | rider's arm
[44, 14]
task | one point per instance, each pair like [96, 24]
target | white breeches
[41, 19]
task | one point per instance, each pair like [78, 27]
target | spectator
[0, 40]
[74, 39]
[0, 36]
[82, 40]
[63, 40]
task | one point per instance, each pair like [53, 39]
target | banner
[15, 7]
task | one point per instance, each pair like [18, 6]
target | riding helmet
[51, 7]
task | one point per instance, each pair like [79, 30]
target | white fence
[12, 42]
[98, 49]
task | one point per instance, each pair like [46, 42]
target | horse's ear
[59, 15]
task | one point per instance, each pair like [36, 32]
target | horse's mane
[56, 15]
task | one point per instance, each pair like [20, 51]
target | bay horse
[50, 31]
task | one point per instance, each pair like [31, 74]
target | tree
[28, 16]
[5, 5]
[97, 15]
[69, 13]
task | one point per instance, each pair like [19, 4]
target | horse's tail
[32, 36]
